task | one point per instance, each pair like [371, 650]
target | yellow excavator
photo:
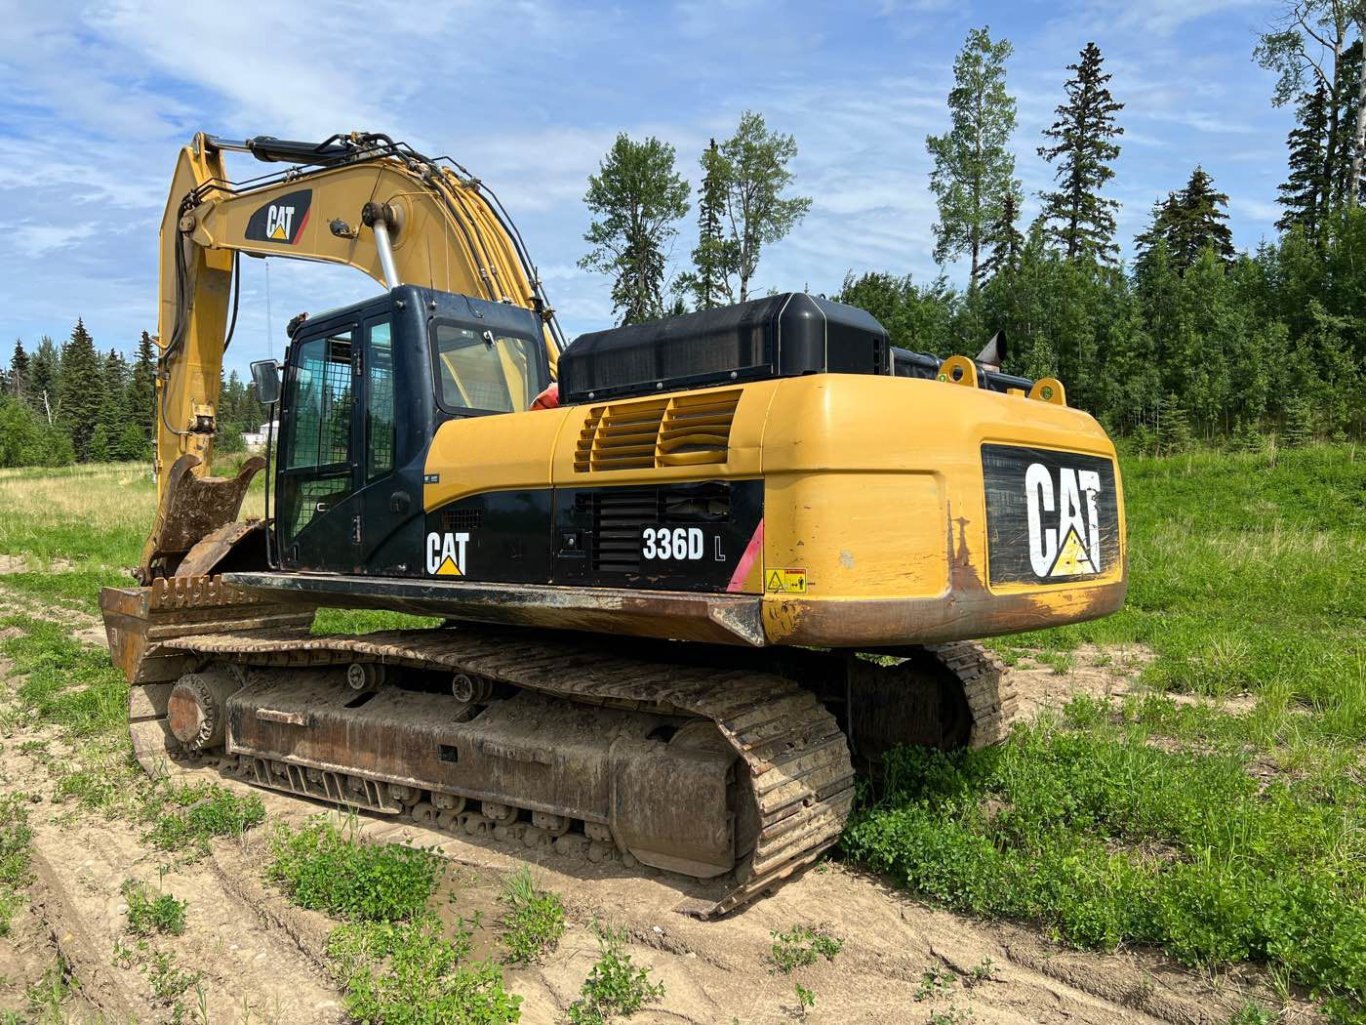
[691, 574]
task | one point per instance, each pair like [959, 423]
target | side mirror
[265, 377]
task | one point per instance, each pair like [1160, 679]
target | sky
[96, 99]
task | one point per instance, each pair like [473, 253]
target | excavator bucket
[192, 507]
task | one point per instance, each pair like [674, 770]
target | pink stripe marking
[746, 563]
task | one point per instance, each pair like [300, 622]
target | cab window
[481, 371]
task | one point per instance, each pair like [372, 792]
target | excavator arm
[361, 200]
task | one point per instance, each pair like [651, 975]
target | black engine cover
[778, 336]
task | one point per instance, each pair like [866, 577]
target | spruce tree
[113, 405]
[974, 169]
[1188, 222]
[1347, 164]
[1003, 242]
[80, 390]
[142, 388]
[1201, 222]
[714, 259]
[1079, 219]
[1305, 191]
[18, 371]
[45, 373]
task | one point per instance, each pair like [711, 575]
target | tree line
[69, 403]
[1192, 339]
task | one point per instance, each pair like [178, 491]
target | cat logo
[1064, 522]
[283, 220]
[446, 554]
[278, 219]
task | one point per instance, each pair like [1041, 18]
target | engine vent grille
[682, 430]
[619, 515]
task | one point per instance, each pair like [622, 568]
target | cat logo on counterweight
[1052, 516]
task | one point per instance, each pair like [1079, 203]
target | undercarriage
[725, 765]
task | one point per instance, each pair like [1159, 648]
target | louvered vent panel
[683, 430]
[619, 516]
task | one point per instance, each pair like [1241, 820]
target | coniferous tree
[1313, 42]
[1346, 172]
[1188, 222]
[45, 371]
[18, 372]
[1003, 242]
[106, 442]
[635, 198]
[1305, 191]
[1079, 219]
[142, 388]
[714, 259]
[80, 390]
[974, 169]
[1201, 222]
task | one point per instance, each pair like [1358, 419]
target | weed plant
[534, 920]
[616, 987]
[200, 812]
[801, 946]
[148, 914]
[15, 839]
[320, 867]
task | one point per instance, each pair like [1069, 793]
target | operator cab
[349, 472]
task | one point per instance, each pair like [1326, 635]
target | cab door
[317, 468]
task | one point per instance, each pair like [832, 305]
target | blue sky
[96, 98]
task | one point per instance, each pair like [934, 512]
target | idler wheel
[472, 689]
[197, 710]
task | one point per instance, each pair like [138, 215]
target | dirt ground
[261, 959]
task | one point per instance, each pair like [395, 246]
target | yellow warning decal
[448, 568]
[785, 581]
[1073, 558]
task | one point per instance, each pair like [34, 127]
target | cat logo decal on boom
[282, 220]
[446, 553]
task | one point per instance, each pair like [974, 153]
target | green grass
[396, 961]
[1216, 837]
[65, 683]
[190, 816]
[534, 920]
[15, 838]
[363, 621]
[412, 973]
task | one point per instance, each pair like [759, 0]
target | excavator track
[797, 763]
[797, 777]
